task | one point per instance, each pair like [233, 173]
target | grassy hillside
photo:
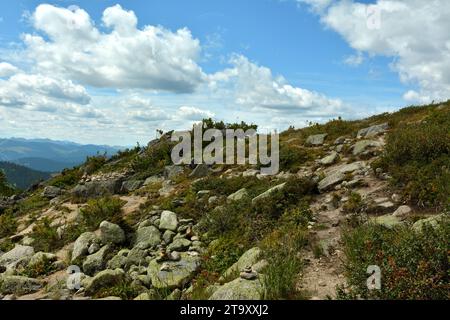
[20, 176]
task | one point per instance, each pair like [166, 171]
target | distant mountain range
[49, 155]
[22, 177]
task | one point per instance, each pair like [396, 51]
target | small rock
[402, 211]
[169, 221]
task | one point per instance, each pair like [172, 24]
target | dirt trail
[324, 269]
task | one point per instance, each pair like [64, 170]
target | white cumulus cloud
[415, 33]
[123, 57]
[255, 86]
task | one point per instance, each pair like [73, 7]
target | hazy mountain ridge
[34, 153]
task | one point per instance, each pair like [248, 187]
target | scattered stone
[40, 257]
[169, 221]
[19, 285]
[105, 279]
[147, 237]
[111, 233]
[153, 179]
[248, 273]
[168, 236]
[19, 255]
[330, 181]
[249, 258]
[131, 185]
[97, 261]
[175, 274]
[93, 248]
[82, 244]
[250, 173]
[171, 172]
[240, 289]
[51, 192]
[238, 195]
[339, 141]
[402, 212]
[268, 192]
[101, 188]
[316, 140]
[373, 131]
[119, 260]
[361, 146]
[180, 244]
[200, 171]
[330, 159]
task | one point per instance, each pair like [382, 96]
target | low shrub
[45, 236]
[418, 156]
[67, 178]
[8, 224]
[413, 265]
[98, 210]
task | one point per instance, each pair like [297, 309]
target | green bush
[292, 157]
[67, 178]
[94, 163]
[42, 268]
[222, 255]
[413, 265]
[418, 158]
[154, 159]
[98, 210]
[45, 236]
[8, 224]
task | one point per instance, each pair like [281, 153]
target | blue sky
[236, 52]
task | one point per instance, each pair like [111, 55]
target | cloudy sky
[112, 72]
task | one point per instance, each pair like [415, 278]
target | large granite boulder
[111, 233]
[19, 285]
[174, 274]
[19, 255]
[373, 130]
[240, 289]
[316, 140]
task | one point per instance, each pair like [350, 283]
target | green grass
[281, 250]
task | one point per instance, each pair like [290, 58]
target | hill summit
[351, 196]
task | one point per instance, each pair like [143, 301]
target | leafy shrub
[8, 224]
[418, 157]
[223, 254]
[94, 163]
[98, 210]
[354, 204]
[45, 236]
[292, 157]
[154, 159]
[413, 265]
[67, 178]
[42, 268]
